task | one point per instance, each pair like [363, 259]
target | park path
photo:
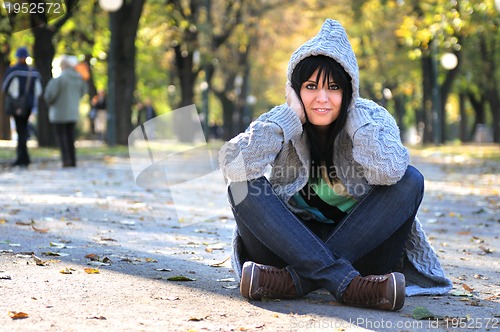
[95, 217]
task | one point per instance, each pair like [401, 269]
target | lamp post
[111, 6]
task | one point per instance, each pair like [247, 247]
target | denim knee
[248, 191]
[413, 181]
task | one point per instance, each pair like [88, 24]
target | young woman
[339, 208]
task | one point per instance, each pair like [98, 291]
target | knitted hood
[331, 41]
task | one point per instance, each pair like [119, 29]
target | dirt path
[96, 217]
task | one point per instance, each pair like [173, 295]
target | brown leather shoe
[384, 292]
[259, 281]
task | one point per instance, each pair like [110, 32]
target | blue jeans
[369, 240]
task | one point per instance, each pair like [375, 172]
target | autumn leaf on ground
[2, 221]
[92, 257]
[220, 264]
[486, 250]
[455, 292]
[22, 223]
[180, 278]
[51, 253]
[40, 230]
[38, 261]
[467, 288]
[151, 260]
[67, 270]
[13, 212]
[196, 319]
[18, 314]
[420, 313]
[5, 276]
[90, 270]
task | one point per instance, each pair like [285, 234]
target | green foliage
[389, 38]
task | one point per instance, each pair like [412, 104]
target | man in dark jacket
[20, 80]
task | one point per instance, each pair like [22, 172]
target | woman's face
[322, 101]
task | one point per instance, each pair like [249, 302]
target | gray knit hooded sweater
[368, 152]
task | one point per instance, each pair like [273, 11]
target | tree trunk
[427, 98]
[4, 118]
[445, 92]
[464, 137]
[492, 86]
[124, 26]
[43, 52]
[480, 114]
[399, 104]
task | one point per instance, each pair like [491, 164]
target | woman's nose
[322, 95]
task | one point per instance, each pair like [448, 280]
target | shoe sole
[398, 282]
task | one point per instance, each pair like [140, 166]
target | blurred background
[434, 64]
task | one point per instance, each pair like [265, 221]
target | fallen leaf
[231, 286]
[51, 253]
[180, 278]
[196, 319]
[98, 263]
[97, 317]
[67, 270]
[90, 270]
[107, 239]
[22, 223]
[486, 250]
[420, 313]
[4, 276]
[92, 257]
[3, 221]
[220, 264]
[467, 288]
[480, 276]
[151, 260]
[40, 230]
[18, 314]
[460, 293]
[38, 261]
[164, 270]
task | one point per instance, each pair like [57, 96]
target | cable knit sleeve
[377, 144]
[247, 155]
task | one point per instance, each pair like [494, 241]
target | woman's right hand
[294, 103]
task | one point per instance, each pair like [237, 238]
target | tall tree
[5, 36]
[122, 76]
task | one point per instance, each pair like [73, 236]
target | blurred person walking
[99, 115]
[145, 112]
[22, 87]
[63, 95]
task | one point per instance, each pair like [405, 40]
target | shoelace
[274, 281]
[366, 291]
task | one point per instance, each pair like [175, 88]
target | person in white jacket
[338, 210]
[63, 95]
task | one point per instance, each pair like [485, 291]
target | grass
[91, 149]
[484, 152]
[8, 151]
